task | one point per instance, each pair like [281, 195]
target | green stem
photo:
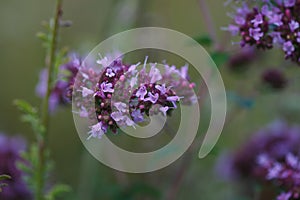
[42, 141]
[51, 64]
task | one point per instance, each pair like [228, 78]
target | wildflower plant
[38, 163]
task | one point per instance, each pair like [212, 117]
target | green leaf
[204, 40]
[56, 191]
[220, 58]
[4, 177]
[30, 115]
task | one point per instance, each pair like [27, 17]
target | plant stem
[208, 21]
[51, 64]
[42, 140]
[178, 180]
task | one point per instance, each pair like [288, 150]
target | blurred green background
[22, 57]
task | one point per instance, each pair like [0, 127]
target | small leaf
[204, 40]
[42, 36]
[220, 58]
[4, 177]
[30, 115]
[56, 191]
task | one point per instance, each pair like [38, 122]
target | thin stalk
[42, 140]
[178, 180]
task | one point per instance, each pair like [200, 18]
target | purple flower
[277, 38]
[274, 78]
[110, 72]
[276, 19]
[239, 20]
[120, 106]
[256, 33]
[62, 91]
[243, 10]
[137, 116]
[154, 74]
[161, 88]
[272, 23]
[289, 3]
[274, 171]
[184, 71]
[10, 149]
[288, 48]
[271, 158]
[284, 196]
[234, 30]
[152, 97]
[97, 131]
[258, 20]
[293, 25]
[142, 91]
[86, 92]
[117, 116]
[107, 87]
[173, 98]
[164, 110]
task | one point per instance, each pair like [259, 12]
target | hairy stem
[42, 140]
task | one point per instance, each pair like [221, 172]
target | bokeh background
[22, 57]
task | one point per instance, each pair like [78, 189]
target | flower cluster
[270, 157]
[127, 94]
[270, 23]
[274, 78]
[62, 91]
[10, 154]
[284, 173]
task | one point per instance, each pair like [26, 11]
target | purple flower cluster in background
[269, 23]
[10, 149]
[62, 91]
[274, 78]
[125, 95]
[271, 156]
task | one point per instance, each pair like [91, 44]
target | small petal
[96, 131]
[117, 116]
[137, 116]
[154, 74]
[120, 106]
[142, 91]
[110, 73]
[161, 88]
[152, 97]
[86, 92]
[164, 110]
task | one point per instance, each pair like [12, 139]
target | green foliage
[204, 40]
[4, 177]
[56, 191]
[47, 40]
[31, 116]
[220, 58]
